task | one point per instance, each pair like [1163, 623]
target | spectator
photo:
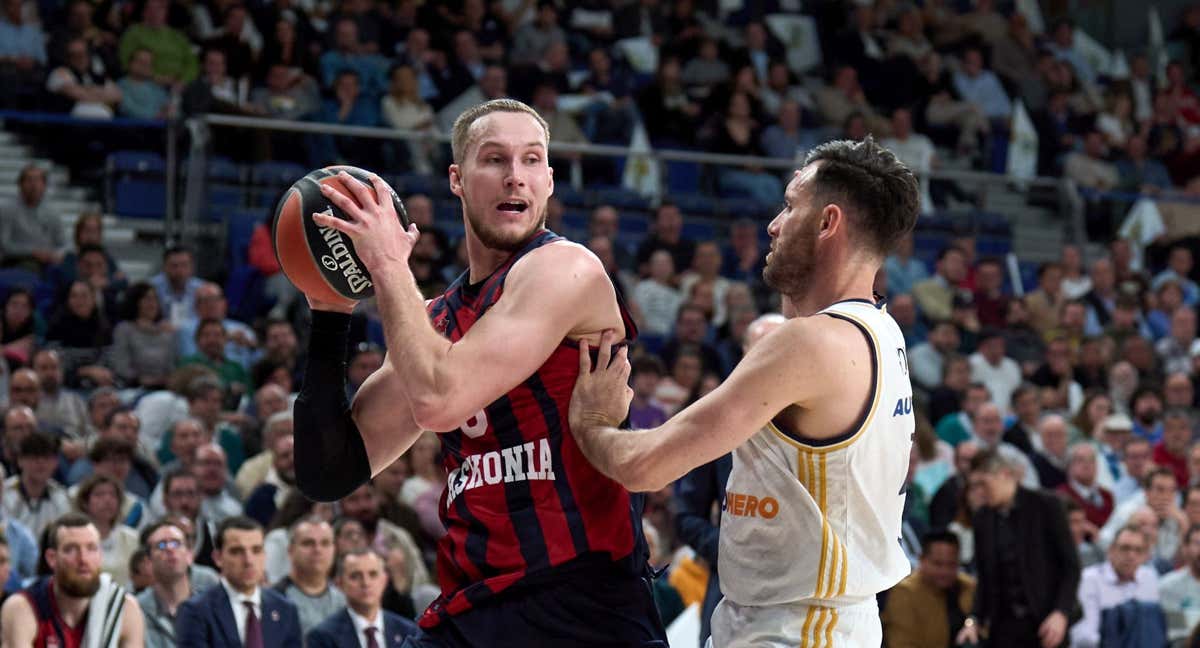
[1095, 501]
[263, 502]
[174, 60]
[929, 606]
[1160, 501]
[142, 96]
[903, 270]
[1026, 406]
[1015, 55]
[668, 112]
[349, 105]
[81, 333]
[58, 406]
[210, 303]
[21, 550]
[844, 98]
[99, 498]
[927, 360]
[1028, 565]
[175, 580]
[392, 527]
[19, 422]
[82, 87]
[308, 586]
[362, 575]
[215, 91]
[210, 346]
[1179, 591]
[532, 38]
[181, 499]
[1179, 270]
[935, 295]
[286, 94]
[144, 344]
[238, 39]
[176, 283]
[1084, 535]
[239, 555]
[988, 429]
[1046, 302]
[1090, 168]
[1086, 426]
[1101, 298]
[979, 86]
[30, 236]
[1171, 452]
[22, 51]
[212, 478]
[644, 412]
[349, 54]
[113, 457]
[1146, 407]
[1178, 391]
[657, 297]
[990, 366]
[427, 471]
[736, 132]
[915, 150]
[33, 497]
[1123, 577]
[1139, 173]
[944, 505]
[404, 109]
[1135, 465]
[1050, 459]
[276, 422]
[706, 69]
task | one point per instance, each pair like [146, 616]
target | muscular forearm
[415, 349]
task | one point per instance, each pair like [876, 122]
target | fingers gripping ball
[321, 261]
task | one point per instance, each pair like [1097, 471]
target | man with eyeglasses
[175, 580]
[1123, 577]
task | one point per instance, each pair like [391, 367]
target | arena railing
[1010, 197]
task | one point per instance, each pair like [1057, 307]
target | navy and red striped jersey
[521, 500]
[52, 630]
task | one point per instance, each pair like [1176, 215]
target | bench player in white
[818, 415]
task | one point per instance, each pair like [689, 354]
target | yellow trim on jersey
[878, 369]
[829, 628]
[808, 619]
[818, 592]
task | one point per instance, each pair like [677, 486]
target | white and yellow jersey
[817, 523]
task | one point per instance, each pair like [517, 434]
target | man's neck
[71, 608]
[368, 612]
[243, 590]
[174, 593]
[311, 584]
[850, 283]
[34, 490]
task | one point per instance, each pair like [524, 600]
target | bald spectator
[1050, 460]
[33, 497]
[205, 404]
[241, 345]
[1178, 391]
[935, 295]
[988, 427]
[278, 421]
[267, 497]
[1081, 487]
[58, 406]
[25, 388]
[19, 422]
[308, 585]
[186, 435]
[1176, 349]
[212, 478]
[1171, 452]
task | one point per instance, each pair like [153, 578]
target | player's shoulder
[558, 261]
[18, 607]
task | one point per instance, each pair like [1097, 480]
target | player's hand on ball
[601, 397]
[379, 237]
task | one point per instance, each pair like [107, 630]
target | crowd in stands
[1055, 479]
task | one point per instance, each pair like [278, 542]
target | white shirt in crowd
[1100, 589]
[1001, 380]
[237, 601]
[1179, 595]
[361, 624]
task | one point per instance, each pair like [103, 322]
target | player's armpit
[384, 418]
[549, 294]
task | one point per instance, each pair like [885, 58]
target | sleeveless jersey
[522, 504]
[52, 631]
[819, 521]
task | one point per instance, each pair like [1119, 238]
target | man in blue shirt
[904, 271]
[981, 87]
[176, 285]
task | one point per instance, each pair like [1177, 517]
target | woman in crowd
[100, 498]
[144, 348]
[83, 336]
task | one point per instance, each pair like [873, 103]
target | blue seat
[694, 204]
[575, 219]
[140, 162]
[683, 177]
[221, 169]
[633, 223]
[993, 246]
[140, 198]
[620, 197]
[276, 174]
[413, 183]
[570, 196]
[699, 230]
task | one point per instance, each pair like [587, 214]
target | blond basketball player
[818, 416]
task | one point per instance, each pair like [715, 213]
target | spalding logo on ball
[321, 261]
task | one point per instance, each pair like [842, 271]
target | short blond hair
[460, 137]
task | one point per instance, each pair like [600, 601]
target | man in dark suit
[363, 623]
[239, 613]
[1027, 563]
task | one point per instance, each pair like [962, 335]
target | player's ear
[832, 218]
[456, 180]
[551, 180]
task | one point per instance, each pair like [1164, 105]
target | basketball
[321, 261]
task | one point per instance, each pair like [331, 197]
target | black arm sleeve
[331, 460]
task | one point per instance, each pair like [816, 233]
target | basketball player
[818, 416]
[74, 606]
[540, 549]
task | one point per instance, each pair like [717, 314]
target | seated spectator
[1179, 269]
[1175, 351]
[532, 38]
[644, 412]
[941, 105]
[175, 580]
[117, 454]
[1045, 303]
[83, 336]
[238, 39]
[1050, 458]
[33, 497]
[929, 606]
[1083, 533]
[210, 352]
[275, 413]
[349, 54]
[82, 87]
[844, 98]
[1179, 590]
[935, 295]
[144, 343]
[1081, 486]
[349, 105]
[1158, 508]
[308, 585]
[979, 86]
[99, 498]
[22, 53]
[736, 132]
[214, 91]
[947, 397]
[706, 69]
[1139, 173]
[59, 407]
[1123, 577]
[1090, 168]
[785, 139]
[286, 94]
[1171, 452]
[1015, 54]
[668, 112]
[987, 427]
[404, 109]
[363, 576]
[142, 96]
[33, 237]
[1116, 122]
[904, 271]
[19, 420]
[657, 296]
[263, 502]
[563, 127]
[926, 361]
[1101, 298]
[779, 89]
[212, 479]
[20, 551]
[990, 366]
[682, 382]
[173, 58]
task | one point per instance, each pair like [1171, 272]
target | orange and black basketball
[321, 261]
